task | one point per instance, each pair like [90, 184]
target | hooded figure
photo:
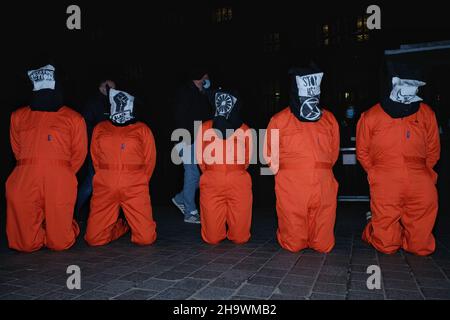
[49, 142]
[302, 162]
[223, 150]
[124, 156]
[227, 112]
[305, 93]
[398, 145]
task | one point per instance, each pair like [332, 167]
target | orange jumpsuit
[50, 148]
[399, 155]
[305, 187]
[124, 158]
[225, 188]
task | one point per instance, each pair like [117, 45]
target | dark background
[147, 47]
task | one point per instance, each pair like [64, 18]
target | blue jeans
[85, 189]
[191, 182]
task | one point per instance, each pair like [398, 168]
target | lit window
[359, 24]
[362, 33]
[223, 14]
[272, 42]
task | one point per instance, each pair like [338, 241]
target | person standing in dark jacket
[95, 111]
[191, 105]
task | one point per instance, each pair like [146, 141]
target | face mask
[309, 96]
[206, 84]
[43, 78]
[122, 105]
[350, 113]
[405, 90]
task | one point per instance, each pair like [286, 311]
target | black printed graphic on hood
[305, 94]
[122, 107]
[227, 115]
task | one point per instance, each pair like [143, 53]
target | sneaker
[193, 217]
[368, 215]
[179, 205]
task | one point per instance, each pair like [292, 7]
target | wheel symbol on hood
[224, 104]
[310, 109]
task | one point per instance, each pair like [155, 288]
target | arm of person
[149, 152]
[363, 138]
[271, 146]
[433, 142]
[14, 135]
[79, 144]
[335, 140]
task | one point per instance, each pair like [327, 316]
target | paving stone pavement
[180, 266]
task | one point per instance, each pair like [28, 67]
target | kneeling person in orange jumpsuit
[223, 154]
[49, 141]
[398, 145]
[124, 155]
[305, 187]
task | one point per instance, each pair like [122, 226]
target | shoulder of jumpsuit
[374, 112]
[20, 114]
[208, 124]
[21, 111]
[70, 113]
[141, 126]
[244, 127]
[426, 109]
[328, 115]
[282, 117]
[103, 125]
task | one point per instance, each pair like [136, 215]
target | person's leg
[323, 217]
[138, 212]
[213, 206]
[384, 231]
[60, 192]
[239, 213]
[191, 184]
[420, 213]
[292, 211]
[104, 224]
[24, 211]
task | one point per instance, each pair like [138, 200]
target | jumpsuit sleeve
[94, 148]
[433, 143]
[14, 136]
[335, 142]
[362, 143]
[271, 156]
[149, 153]
[199, 149]
[248, 147]
[79, 144]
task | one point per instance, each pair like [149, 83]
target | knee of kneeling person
[59, 246]
[293, 247]
[93, 242]
[27, 248]
[323, 248]
[213, 240]
[144, 239]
